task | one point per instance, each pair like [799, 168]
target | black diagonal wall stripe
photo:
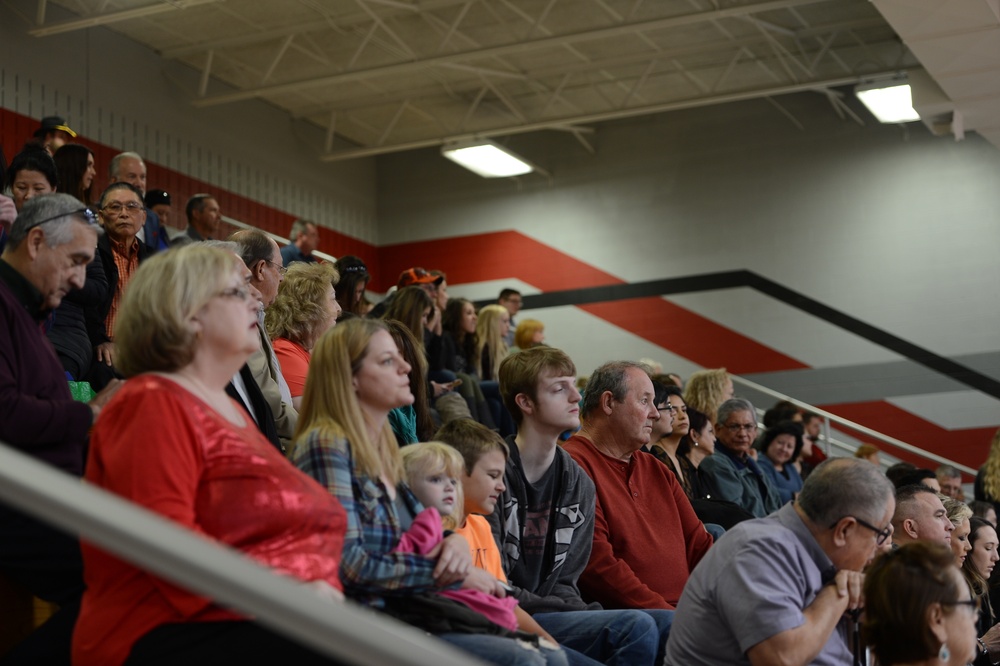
[734, 279]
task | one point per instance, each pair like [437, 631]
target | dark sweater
[37, 413]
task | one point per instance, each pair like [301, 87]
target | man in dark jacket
[50, 245]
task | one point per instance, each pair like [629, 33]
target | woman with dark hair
[667, 398]
[977, 568]
[32, 173]
[354, 279]
[781, 445]
[412, 307]
[411, 423]
[459, 336]
[455, 357]
[76, 170]
[918, 609]
[695, 446]
[984, 510]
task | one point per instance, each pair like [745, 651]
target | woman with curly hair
[707, 389]
[987, 487]
[306, 307]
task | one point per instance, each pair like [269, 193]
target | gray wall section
[872, 381]
[122, 94]
[889, 224]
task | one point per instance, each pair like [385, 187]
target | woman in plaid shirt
[344, 441]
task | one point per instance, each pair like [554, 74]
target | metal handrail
[344, 631]
[829, 418]
[277, 239]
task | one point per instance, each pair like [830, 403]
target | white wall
[893, 226]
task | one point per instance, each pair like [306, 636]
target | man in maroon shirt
[647, 538]
[51, 242]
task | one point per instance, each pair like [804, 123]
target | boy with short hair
[544, 523]
[485, 455]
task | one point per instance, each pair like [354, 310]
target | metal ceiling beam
[503, 49]
[72, 25]
[473, 84]
[293, 29]
[607, 115]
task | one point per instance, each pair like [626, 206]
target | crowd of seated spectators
[434, 462]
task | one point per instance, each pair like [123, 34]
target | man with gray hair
[51, 242]
[203, 216]
[732, 474]
[950, 480]
[782, 589]
[263, 258]
[647, 538]
[129, 168]
[243, 388]
[305, 239]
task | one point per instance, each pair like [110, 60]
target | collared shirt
[126, 261]
[755, 583]
[291, 253]
[25, 292]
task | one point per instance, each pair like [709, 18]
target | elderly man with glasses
[786, 589]
[119, 250]
[732, 474]
[51, 242]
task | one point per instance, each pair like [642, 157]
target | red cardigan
[647, 538]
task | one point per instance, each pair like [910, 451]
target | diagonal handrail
[829, 417]
[341, 630]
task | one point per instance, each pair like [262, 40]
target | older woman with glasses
[187, 324]
[732, 474]
[781, 446]
[918, 610]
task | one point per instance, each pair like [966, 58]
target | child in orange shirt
[485, 455]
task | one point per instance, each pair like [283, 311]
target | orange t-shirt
[485, 553]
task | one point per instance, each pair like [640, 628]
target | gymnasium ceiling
[383, 76]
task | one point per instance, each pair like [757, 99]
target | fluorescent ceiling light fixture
[487, 159]
[889, 101]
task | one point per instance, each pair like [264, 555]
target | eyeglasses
[666, 408]
[974, 604]
[737, 427]
[88, 215]
[115, 207]
[883, 533]
[278, 267]
[236, 292]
